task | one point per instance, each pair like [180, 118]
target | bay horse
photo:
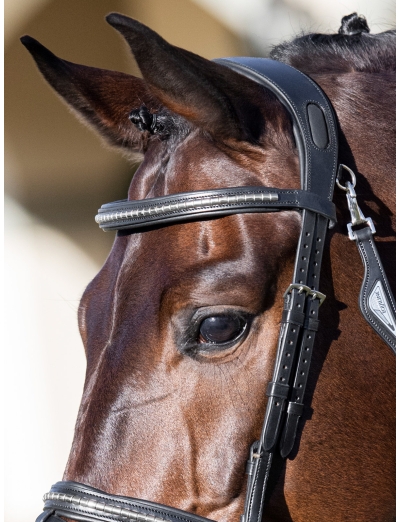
[180, 326]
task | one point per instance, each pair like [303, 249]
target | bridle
[315, 132]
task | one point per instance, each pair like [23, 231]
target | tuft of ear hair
[154, 123]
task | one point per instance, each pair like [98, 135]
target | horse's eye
[219, 329]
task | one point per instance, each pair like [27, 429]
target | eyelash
[191, 344]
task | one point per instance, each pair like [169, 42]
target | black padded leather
[296, 91]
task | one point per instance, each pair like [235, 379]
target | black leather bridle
[315, 131]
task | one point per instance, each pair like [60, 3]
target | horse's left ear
[208, 94]
[103, 99]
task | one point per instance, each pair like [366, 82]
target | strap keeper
[293, 317]
[311, 324]
[250, 465]
[295, 408]
[276, 389]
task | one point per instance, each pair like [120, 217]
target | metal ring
[353, 177]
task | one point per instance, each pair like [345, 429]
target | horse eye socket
[220, 329]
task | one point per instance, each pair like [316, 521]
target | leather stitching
[301, 119]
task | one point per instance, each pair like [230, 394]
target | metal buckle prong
[318, 295]
[309, 291]
[300, 287]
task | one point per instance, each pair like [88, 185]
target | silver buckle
[309, 291]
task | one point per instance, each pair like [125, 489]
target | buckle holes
[319, 239]
[287, 354]
[293, 330]
[312, 312]
[304, 258]
[304, 361]
[298, 305]
[285, 367]
[301, 269]
[315, 263]
[307, 233]
[290, 342]
[301, 373]
[277, 403]
[299, 385]
[308, 336]
[305, 246]
[307, 348]
[282, 379]
[317, 251]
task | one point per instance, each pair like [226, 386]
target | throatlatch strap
[376, 299]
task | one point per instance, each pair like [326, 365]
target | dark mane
[352, 49]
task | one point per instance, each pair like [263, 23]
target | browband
[208, 203]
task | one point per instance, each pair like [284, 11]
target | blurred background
[57, 174]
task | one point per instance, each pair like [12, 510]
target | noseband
[315, 132]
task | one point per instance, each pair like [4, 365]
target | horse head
[180, 326]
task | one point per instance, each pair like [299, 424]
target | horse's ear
[208, 94]
[103, 98]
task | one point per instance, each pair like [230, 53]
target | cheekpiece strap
[315, 132]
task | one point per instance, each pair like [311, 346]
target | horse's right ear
[103, 98]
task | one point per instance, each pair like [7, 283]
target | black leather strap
[314, 127]
[48, 515]
[376, 299]
[86, 504]
[316, 136]
[258, 469]
[187, 206]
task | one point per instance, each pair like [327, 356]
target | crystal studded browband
[101, 506]
[210, 203]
